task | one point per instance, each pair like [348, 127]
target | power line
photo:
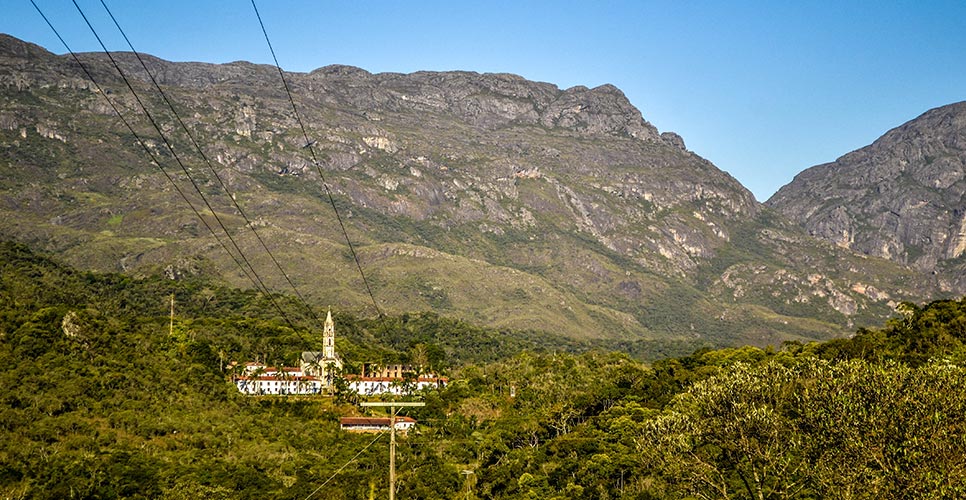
[256, 280]
[151, 154]
[353, 459]
[254, 274]
[311, 146]
[211, 167]
[177, 158]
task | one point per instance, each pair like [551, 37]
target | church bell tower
[328, 338]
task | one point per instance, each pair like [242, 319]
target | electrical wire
[311, 147]
[256, 280]
[154, 159]
[353, 459]
[211, 168]
[157, 127]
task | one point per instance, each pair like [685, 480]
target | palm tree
[420, 359]
[256, 374]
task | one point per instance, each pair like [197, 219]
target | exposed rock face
[900, 198]
[674, 140]
[488, 101]
[509, 202]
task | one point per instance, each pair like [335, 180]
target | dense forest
[101, 398]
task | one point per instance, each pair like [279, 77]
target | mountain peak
[15, 47]
[490, 100]
[899, 198]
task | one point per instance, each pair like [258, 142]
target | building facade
[258, 379]
[370, 386]
[375, 424]
[318, 370]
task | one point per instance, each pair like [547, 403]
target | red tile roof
[373, 420]
[279, 379]
[354, 377]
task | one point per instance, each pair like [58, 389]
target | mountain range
[506, 202]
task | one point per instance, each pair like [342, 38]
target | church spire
[328, 337]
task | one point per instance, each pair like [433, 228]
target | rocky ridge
[508, 202]
[900, 198]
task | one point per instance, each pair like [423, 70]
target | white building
[375, 424]
[369, 386]
[258, 379]
[317, 371]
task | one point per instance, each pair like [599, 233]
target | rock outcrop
[900, 198]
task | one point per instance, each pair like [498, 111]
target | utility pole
[392, 454]
[171, 324]
[392, 437]
[466, 473]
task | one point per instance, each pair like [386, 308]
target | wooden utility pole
[392, 454]
[392, 437]
[171, 323]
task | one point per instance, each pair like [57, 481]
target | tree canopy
[99, 398]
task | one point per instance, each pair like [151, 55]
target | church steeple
[328, 337]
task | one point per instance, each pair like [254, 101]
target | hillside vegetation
[98, 399]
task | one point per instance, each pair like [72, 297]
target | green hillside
[98, 399]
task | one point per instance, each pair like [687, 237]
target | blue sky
[762, 89]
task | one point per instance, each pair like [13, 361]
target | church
[315, 374]
[327, 364]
